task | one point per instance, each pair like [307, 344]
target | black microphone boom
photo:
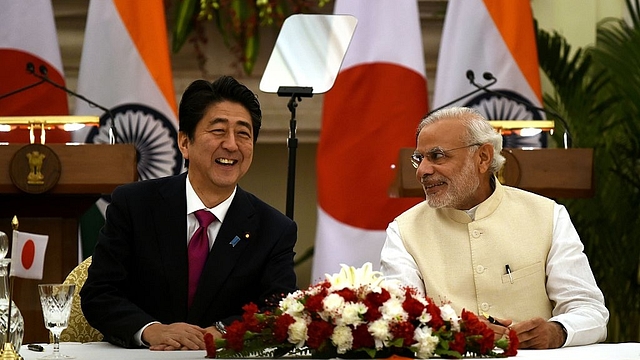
[44, 78]
[489, 77]
[471, 77]
[21, 89]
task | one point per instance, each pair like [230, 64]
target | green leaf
[183, 23]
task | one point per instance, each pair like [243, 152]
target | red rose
[488, 341]
[281, 329]
[378, 298]
[210, 345]
[436, 318]
[313, 304]
[471, 325]
[405, 331]
[318, 332]
[459, 343]
[348, 294]
[512, 350]
[373, 311]
[249, 318]
[412, 306]
[235, 335]
[362, 338]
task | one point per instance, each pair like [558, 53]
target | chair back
[79, 329]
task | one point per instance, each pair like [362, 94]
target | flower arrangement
[237, 20]
[357, 313]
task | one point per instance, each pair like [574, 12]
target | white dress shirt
[579, 303]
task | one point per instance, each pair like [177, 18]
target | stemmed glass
[56, 308]
[4, 245]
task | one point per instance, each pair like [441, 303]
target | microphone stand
[479, 88]
[43, 77]
[295, 93]
[21, 89]
[489, 76]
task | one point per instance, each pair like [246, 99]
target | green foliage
[597, 90]
[238, 22]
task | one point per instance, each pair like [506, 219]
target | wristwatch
[220, 327]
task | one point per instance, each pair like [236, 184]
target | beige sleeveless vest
[463, 261]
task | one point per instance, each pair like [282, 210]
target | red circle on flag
[28, 254]
[360, 143]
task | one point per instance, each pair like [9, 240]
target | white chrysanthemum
[291, 305]
[392, 310]
[333, 303]
[425, 317]
[342, 338]
[425, 342]
[396, 291]
[379, 329]
[350, 277]
[298, 332]
[448, 314]
[352, 314]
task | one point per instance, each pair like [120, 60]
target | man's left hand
[214, 331]
[538, 333]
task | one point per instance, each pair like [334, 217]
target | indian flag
[28, 36]
[370, 113]
[498, 37]
[126, 68]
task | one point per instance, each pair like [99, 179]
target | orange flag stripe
[509, 17]
[146, 24]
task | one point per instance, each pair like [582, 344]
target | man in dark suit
[138, 290]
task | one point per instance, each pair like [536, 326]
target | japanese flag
[27, 255]
[372, 112]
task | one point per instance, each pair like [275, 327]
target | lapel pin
[246, 235]
[235, 241]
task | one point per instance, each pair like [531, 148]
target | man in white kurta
[489, 248]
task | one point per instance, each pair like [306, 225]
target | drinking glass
[56, 307]
[4, 245]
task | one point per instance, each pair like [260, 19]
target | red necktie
[198, 250]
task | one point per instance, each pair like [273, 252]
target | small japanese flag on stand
[27, 255]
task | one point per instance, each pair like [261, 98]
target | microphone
[471, 77]
[44, 78]
[489, 77]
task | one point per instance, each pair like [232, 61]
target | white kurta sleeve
[579, 303]
[396, 263]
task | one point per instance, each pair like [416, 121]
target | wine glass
[4, 245]
[56, 307]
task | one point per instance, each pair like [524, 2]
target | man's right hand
[500, 327]
[177, 336]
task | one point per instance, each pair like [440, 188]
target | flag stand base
[8, 352]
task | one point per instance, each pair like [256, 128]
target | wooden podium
[554, 173]
[86, 172]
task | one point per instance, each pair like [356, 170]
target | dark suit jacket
[140, 265]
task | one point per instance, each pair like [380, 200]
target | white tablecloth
[102, 351]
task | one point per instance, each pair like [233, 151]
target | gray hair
[478, 130]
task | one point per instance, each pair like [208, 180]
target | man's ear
[183, 144]
[485, 157]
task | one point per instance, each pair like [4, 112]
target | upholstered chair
[79, 329]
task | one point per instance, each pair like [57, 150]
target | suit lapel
[171, 225]
[237, 230]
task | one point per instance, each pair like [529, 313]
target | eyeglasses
[434, 156]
